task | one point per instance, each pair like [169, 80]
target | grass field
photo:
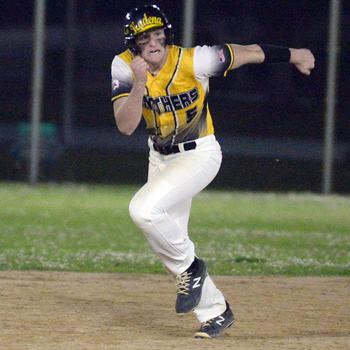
[87, 228]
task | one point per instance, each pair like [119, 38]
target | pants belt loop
[181, 147]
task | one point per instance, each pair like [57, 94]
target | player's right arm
[128, 109]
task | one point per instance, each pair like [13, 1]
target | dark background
[269, 118]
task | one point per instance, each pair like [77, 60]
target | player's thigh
[154, 164]
[180, 180]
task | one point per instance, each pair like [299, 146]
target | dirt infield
[51, 310]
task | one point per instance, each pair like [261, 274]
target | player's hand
[139, 67]
[303, 59]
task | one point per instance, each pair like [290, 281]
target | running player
[168, 85]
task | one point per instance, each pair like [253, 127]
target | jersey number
[190, 114]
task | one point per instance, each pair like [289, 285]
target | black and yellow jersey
[175, 102]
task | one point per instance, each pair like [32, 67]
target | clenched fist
[303, 59]
[139, 67]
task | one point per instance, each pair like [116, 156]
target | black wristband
[275, 54]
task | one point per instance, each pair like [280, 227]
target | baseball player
[168, 86]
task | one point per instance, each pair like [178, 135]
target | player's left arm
[302, 59]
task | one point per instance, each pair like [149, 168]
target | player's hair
[142, 19]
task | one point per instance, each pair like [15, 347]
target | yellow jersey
[175, 102]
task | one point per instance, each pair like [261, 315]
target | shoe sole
[203, 335]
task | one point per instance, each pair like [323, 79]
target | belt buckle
[162, 149]
[167, 150]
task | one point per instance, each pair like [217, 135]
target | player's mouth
[154, 52]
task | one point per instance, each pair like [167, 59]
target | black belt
[171, 149]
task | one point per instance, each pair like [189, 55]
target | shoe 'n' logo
[196, 283]
[220, 320]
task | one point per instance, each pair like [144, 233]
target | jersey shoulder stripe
[212, 61]
[232, 58]
[126, 56]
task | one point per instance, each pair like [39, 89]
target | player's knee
[142, 214]
[138, 213]
[135, 212]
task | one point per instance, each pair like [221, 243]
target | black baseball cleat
[215, 326]
[189, 286]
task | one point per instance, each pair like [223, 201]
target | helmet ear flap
[169, 35]
[131, 45]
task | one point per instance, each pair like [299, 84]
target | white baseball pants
[161, 209]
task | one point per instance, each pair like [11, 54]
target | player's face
[152, 46]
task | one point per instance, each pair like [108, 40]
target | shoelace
[183, 282]
[206, 324]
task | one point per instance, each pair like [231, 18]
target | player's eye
[158, 34]
[142, 42]
[143, 39]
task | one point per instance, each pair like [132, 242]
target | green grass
[87, 228]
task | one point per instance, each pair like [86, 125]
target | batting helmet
[143, 19]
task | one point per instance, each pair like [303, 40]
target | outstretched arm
[303, 59]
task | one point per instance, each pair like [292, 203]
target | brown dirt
[52, 310]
